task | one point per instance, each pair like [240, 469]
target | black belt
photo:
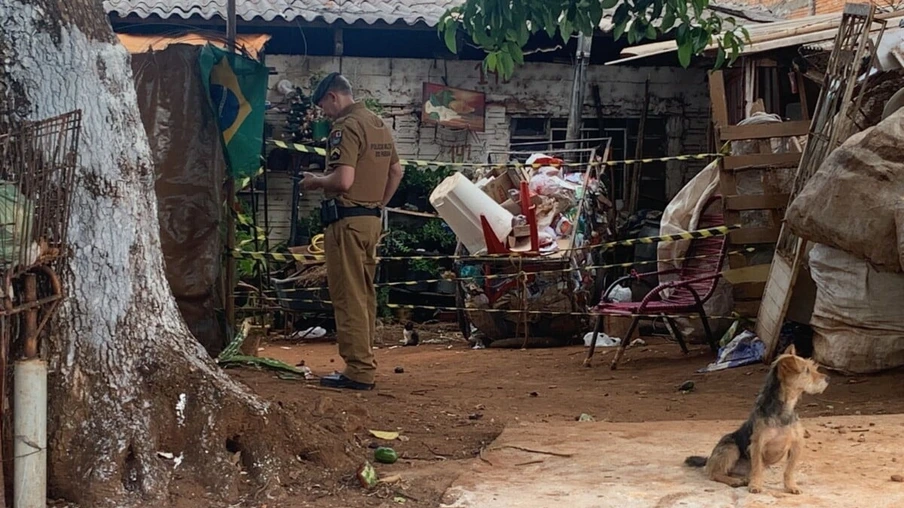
[358, 211]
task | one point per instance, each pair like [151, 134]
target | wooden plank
[747, 275]
[749, 291]
[774, 303]
[754, 235]
[756, 201]
[748, 309]
[737, 261]
[717, 98]
[761, 161]
[764, 131]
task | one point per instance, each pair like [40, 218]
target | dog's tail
[695, 461]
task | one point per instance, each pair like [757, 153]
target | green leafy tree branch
[503, 27]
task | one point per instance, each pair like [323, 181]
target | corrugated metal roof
[349, 11]
[767, 37]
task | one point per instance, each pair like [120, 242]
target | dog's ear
[789, 367]
[791, 351]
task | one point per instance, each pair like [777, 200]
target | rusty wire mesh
[37, 169]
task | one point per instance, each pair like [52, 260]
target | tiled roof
[350, 11]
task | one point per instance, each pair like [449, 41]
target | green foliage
[374, 106]
[424, 180]
[311, 224]
[503, 27]
[429, 267]
[382, 303]
[435, 234]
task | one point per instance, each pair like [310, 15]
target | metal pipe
[30, 434]
[30, 326]
[582, 57]
[230, 25]
[230, 192]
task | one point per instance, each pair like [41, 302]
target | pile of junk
[852, 214]
[526, 233]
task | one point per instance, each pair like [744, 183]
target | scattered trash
[620, 294]
[404, 439]
[386, 455]
[730, 334]
[399, 500]
[308, 375]
[310, 333]
[475, 416]
[300, 364]
[166, 455]
[399, 370]
[391, 479]
[585, 418]
[744, 349]
[687, 386]
[638, 342]
[602, 340]
[384, 435]
[367, 475]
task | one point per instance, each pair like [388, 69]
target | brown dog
[772, 432]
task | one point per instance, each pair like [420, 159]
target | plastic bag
[857, 320]
[16, 219]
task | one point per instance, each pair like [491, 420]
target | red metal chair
[696, 283]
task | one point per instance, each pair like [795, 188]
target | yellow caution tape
[687, 235]
[511, 275]
[420, 163]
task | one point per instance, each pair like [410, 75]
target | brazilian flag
[237, 88]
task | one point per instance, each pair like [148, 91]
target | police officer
[363, 174]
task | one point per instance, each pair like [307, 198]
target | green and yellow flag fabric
[237, 88]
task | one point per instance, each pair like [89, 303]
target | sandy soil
[452, 402]
[848, 462]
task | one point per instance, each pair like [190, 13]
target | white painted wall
[680, 95]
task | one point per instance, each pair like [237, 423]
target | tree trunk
[127, 379]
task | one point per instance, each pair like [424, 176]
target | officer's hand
[310, 181]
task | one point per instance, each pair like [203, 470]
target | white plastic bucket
[461, 203]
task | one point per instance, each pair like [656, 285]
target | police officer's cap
[323, 87]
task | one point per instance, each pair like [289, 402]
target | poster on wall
[453, 107]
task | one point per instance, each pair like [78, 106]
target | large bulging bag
[851, 201]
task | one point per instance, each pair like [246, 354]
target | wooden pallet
[830, 120]
[747, 294]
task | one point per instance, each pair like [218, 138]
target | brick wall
[541, 90]
[795, 9]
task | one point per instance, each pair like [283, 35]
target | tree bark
[127, 379]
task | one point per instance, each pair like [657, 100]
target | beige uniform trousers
[350, 248]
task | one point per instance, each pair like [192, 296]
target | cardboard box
[498, 187]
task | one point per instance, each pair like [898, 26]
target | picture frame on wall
[453, 107]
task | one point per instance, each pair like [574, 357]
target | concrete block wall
[537, 90]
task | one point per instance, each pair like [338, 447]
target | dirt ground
[451, 402]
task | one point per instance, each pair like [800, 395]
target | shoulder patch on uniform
[335, 137]
[335, 153]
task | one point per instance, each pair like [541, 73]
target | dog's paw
[739, 483]
[792, 489]
[754, 489]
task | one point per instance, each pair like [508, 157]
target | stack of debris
[850, 208]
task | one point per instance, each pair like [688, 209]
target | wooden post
[636, 175]
[582, 57]
[230, 193]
